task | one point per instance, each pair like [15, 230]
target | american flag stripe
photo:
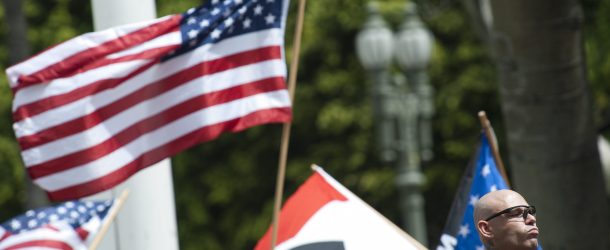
[3, 233]
[94, 110]
[173, 147]
[71, 56]
[68, 86]
[57, 100]
[135, 113]
[154, 122]
[193, 121]
[158, 71]
[157, 88]
[224, 48]
[132, 58]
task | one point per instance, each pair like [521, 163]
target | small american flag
[70, 225]
[92, 111]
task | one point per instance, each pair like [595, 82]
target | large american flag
[92, 111]
[70, 225]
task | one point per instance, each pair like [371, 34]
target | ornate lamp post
[414, 48]
[402, 110]
[374, 46]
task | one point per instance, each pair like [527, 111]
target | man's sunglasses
[515, 211]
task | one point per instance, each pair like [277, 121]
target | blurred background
[224, 188]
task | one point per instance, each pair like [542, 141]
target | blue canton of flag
[217, 20]
[460, 232]
[70, 225]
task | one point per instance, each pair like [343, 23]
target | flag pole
[493, 142]
[113, 213]
[281, 173]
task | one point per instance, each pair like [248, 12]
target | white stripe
[173, 38]
[206, 117]
[151, 107]
[84, 106]
[71, 47]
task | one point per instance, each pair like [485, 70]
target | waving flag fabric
[71, 225]
[324, 215]
[484, 177]
[92, 111]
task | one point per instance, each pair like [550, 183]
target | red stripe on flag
[82, 233]
[154, 122]
[53, 244]
[151, 90]
[74, 63]
[314, 194]
[5, 235]
[276, 115]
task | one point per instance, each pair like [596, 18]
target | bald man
[505, 220]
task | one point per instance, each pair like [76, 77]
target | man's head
[505, 220]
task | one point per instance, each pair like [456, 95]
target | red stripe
[149, 91]
[55, 244]
[82, 233]
[45, 104]
[5, 235]
[152, 123]
[72, 64]
[208, 133]
[314, 194]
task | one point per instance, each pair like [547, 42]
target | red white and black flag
[92, 111]
[324, 215]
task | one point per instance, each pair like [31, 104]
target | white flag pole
[148, 218]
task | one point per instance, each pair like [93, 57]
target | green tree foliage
[224, 188]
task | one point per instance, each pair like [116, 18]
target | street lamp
[374, 46]
[413, 52]
[402, 110]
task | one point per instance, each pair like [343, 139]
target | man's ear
[484, 229]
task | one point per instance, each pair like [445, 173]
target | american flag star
[464, 230]
[485, 170]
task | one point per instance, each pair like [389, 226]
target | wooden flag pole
[281, 172]
[113, 213]
[491, 137]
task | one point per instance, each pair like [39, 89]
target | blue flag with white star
[480, 178]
